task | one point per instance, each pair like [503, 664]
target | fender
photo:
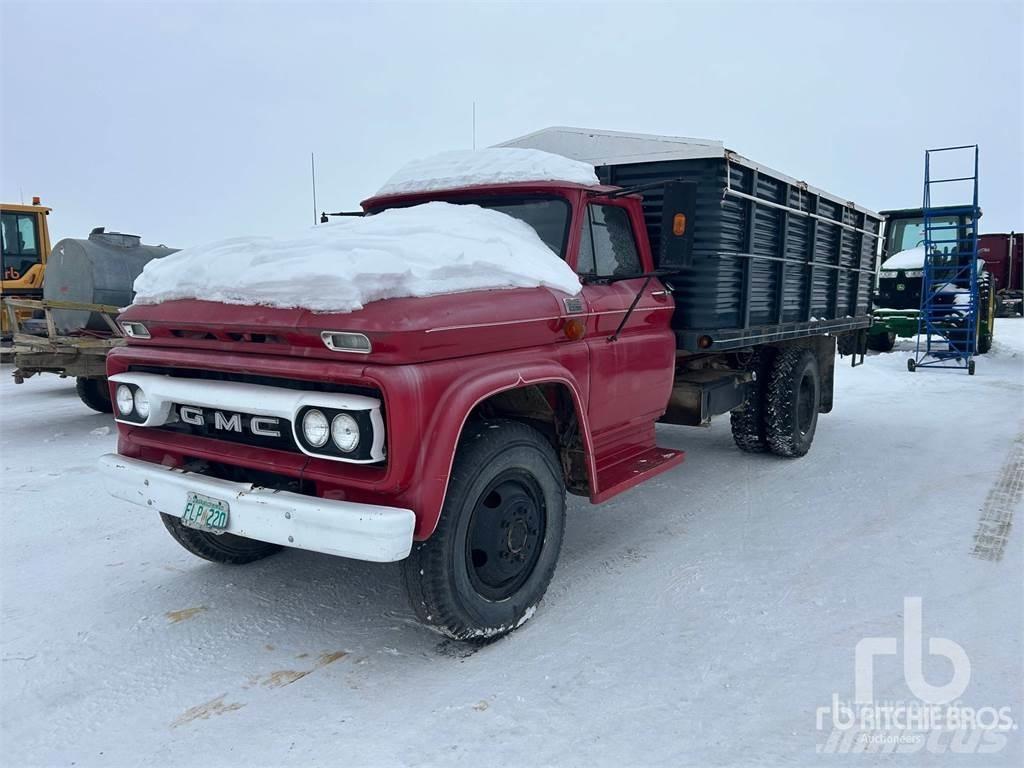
[467, 390]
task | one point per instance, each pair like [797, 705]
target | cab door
[631, 373]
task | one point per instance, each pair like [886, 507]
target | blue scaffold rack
[947, 329]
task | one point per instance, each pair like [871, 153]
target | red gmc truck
[444, 431]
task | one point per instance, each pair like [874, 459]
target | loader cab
[25, 247]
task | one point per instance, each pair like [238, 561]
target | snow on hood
[424, 250]
[911, 258]
[495, 165]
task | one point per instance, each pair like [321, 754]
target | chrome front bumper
[360, 531]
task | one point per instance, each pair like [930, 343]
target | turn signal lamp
[679, 224]
[574, 330]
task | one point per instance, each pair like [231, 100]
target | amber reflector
[679, 224]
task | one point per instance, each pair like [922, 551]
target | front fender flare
[445, 426]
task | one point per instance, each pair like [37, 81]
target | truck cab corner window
[607, 245]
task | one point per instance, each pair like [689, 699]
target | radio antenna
[474, 125]
[312, 171]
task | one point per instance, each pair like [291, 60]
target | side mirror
[678, 216]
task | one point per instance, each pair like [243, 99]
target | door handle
[659, 293]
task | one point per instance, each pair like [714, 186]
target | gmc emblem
[263, 426]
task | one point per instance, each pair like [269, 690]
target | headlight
[315, 428]
[126, 400]
[345, 433]
[141, 404]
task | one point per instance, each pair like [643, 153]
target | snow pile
[495, 165]
[911, 258]
[425, 250]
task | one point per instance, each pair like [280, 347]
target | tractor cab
[897, 297]
[901, 270]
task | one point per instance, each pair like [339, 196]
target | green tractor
[898, 296]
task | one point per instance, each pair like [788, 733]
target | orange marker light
[36, 201]
[575, 330]
[679, 224]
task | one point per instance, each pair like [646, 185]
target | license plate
[205, 513]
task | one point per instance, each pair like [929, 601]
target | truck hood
[402, 330]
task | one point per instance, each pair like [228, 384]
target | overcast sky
[191, 122]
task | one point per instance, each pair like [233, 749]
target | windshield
[20, 244]
[909, 233]
[549, 216]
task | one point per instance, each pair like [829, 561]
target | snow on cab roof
[425, 250]
[494, 165]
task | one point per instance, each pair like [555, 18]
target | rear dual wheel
[781, 411]
[748, 421]
[793, 401]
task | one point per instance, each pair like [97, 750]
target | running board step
[633, 470]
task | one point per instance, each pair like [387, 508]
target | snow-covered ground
[700, 619]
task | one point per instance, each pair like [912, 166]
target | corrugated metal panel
[752, 266]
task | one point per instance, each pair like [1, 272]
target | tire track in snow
[997, 513]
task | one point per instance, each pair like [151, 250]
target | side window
[19, 235]
[27, 235]
[607, 245]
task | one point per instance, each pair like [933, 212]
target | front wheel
[225, 548]
[493, 553]
[94, 393]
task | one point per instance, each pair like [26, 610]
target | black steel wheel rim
[505, 535]
[805, 404]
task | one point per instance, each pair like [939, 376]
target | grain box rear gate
[774, 258]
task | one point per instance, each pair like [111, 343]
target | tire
[469, 580]
[748, 421]
[882, 342]
[224, 548]
[987, 318]
[792, 403]
[94, 393]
